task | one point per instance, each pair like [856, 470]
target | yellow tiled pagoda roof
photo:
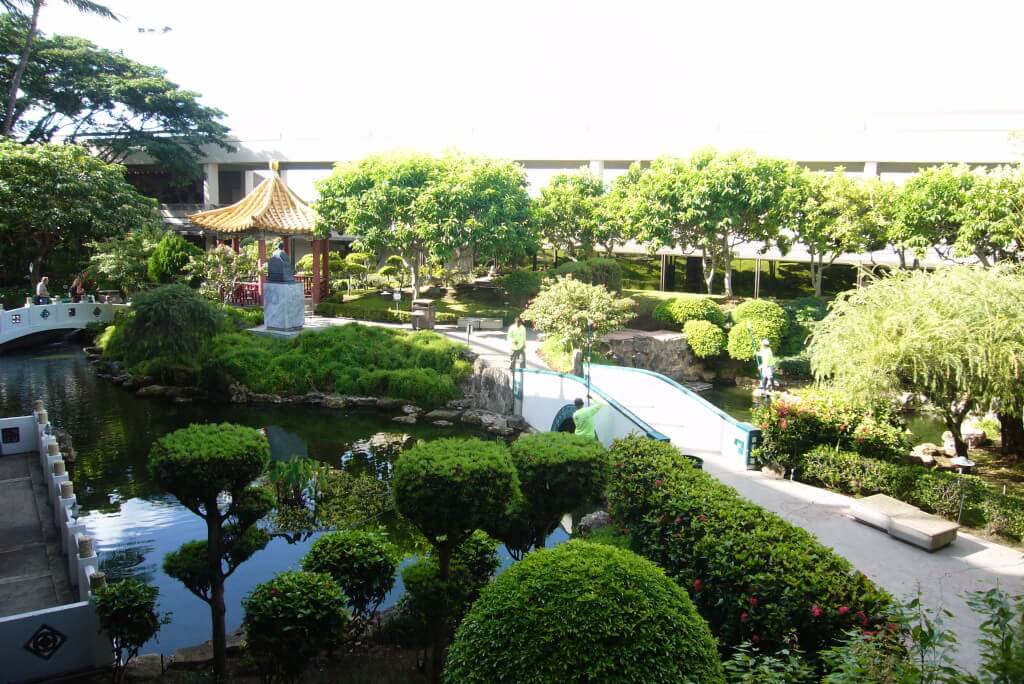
[270, 207]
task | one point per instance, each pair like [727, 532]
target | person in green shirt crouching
[517, 341]
[584, 418]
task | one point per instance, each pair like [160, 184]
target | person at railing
[584, 418]
[42, 291]
[77, 289]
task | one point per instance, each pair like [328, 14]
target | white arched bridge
[637, 402]
[42, 323]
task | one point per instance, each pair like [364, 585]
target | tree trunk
[727, 269]
[954, 419]
[772, 266]
[1011, 429]
[708, 264]
[413, 262]
[214, 535]
[19, 71]
[816, 272]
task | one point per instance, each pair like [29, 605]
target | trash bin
[423, 313]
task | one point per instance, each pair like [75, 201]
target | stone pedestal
[283, 306]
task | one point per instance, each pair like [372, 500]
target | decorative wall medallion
[97, 311]
[44, 314]
[71, 312]
[15, 319]
[45, 642]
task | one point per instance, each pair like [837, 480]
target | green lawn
[485, 303]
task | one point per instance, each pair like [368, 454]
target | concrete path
[33, 573]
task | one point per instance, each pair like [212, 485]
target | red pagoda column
[316, 272]
[262, 265]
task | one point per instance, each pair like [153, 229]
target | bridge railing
[25, 320]
[545, 399]
[692, 423]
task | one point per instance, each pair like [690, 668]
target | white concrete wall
[26, 320]
[27, 440]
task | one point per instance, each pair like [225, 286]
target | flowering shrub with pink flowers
[792, 426]
[752, 575]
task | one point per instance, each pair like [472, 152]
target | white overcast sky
[560, 66]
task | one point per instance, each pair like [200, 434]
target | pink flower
[744, 616]
[755, 639]
[843, 610]
[698, 585]
[816, 611]
[657, 483]
[862, 617]
[752, 601]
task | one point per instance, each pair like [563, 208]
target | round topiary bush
[558, 472]
[706, 339]
[363, 563]
[167, 262]
[745, 338]
[290, 619]
[583, 613]
[761, 309]
[679, 310]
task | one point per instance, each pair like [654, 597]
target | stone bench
[480, 323]
[905, 522]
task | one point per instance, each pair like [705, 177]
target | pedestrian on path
[517, 342]
[766, 360]
[584, 418]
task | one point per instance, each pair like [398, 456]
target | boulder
[193, 657]
[146, 668]
[443, 414]
[411, 410]
[312, 398]
[389, 440]
[442, 423]
[152, 391]
[592, 521]
[517, 423]
[974, 435]
[365, 402]
[264, 398]
[774, 471]
[389, 404]
[92, 351]
[925, 454]
[334, 401]
[408, 420]
[238, 394]
[182, 400]
[485, 419]
[131, 384]
[459, 404]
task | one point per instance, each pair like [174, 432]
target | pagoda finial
[274, 165]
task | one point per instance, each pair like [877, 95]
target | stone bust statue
[279, 266]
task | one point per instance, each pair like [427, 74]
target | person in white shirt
[42, 292]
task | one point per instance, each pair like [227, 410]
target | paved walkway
[33, 573]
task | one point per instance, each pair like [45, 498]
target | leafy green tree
[992, 216]
[955, 335]
[74, 91]
[59, 197]
[26, 46]
[836, 217]
[448, 488]
[426, 209]
[564, 306]
[567, 213]
[210, 469]
[127, 613]
[122, 263]
[930, 210]
[219, 271]
[168, 261]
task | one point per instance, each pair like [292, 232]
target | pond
[134, 522]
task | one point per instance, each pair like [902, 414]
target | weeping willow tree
[955, 335]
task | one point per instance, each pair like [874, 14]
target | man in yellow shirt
[517, 341]
[584, 418]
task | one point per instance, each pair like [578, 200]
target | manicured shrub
[706, 339]
[596, 271]
[931, 490]
[639, 625]
[126, 611]
[794, 368]
[752, 575]
[558, 472]
[564, 306]
[363, 564]
[290, 619]
[521, 285]
[803, 313]
[167, 262]
[680, 310]
[1005, 514]
[745, 337]
[760, 309]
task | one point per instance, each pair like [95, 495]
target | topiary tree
[558, 472]
[290, 619]
[538, 609]
[756, 320]
[210, 468]
[706, 339]
[362, 562]
[763, 309]
[448, 488]
[565, 305]
[679, 310]
[168, 261]
[127, 613]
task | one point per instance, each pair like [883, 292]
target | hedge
[934, 491]
[369, 313]
[753, 576]
[596, 271]
[583, 613]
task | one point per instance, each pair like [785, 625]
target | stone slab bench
[480, 323]
[905, 522]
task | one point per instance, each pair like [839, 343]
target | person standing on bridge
[42, 292]
[517, 342]
[584, 418]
